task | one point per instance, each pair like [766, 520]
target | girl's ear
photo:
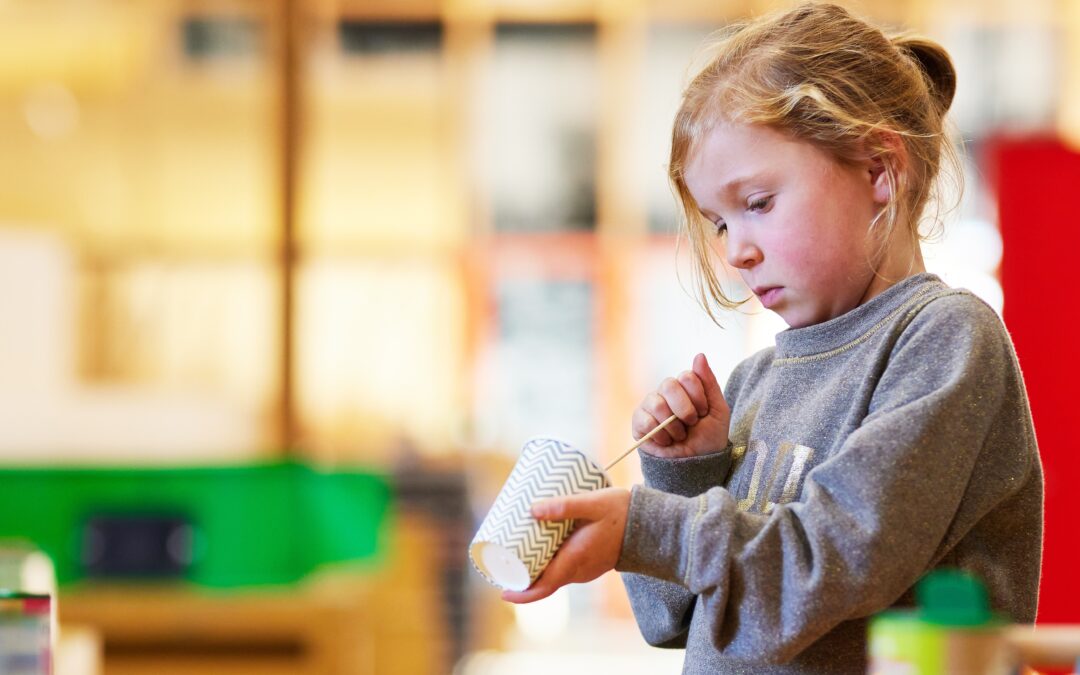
[879, 180]
[889, 153]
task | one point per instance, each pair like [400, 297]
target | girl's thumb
[701, 368]
[568, 507]
[553, 508]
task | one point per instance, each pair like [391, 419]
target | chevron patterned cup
[512, 548]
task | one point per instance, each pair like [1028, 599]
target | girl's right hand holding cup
[703, 414]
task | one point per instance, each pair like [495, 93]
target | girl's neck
[898, 264]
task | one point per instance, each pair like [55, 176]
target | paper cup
[512, 548]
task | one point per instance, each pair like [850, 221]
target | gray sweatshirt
[865, 451]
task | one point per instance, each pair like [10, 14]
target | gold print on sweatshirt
[757, 452]
[763, 479]
[795, 458]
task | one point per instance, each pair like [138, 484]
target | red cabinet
[1038, 193]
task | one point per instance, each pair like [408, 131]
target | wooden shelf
[228, 632]
[379, 622]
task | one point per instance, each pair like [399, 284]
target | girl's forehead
[735, 157]
[727, 132]
[737, 146]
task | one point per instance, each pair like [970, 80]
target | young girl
[886, 434]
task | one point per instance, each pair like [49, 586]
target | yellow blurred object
[25, 568]
[78, 651]
[352, 392]
[89, 47]
[1069, 113]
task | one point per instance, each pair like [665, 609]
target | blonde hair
[821, 75]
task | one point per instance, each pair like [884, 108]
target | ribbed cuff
[686, 476]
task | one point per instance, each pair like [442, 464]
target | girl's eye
[721, 227]
[760, 204]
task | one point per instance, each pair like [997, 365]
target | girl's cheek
[797, 252]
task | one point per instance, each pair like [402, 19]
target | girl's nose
[741, 252]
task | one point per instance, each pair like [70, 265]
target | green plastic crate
[253, 524]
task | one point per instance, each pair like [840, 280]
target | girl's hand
[703, 414]
[591, 549]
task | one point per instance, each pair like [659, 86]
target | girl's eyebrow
[736, 183]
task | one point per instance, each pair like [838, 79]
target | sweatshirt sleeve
[873, 517]
[663, 609]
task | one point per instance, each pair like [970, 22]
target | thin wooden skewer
[642, 441]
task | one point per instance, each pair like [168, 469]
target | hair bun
[935, 63]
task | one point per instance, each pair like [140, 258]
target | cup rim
[560, 439]
[476, 556]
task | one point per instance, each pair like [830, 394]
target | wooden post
[290, 107]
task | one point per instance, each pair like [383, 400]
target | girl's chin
[796, 320]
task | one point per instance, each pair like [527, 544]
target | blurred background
[285, 285]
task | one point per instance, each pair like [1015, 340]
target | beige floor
[582, 648]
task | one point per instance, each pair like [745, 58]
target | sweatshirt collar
[847, 327]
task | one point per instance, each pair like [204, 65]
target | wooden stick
[642, 441]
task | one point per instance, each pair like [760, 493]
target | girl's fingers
[659, 409]
[558, 573]
[678, 401]
[538, 591]
[691, 396]
[677, 431]
[657, 406]
[695, 390]
[674, 432]
[713, 391]
[645, 421]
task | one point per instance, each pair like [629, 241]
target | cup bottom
[501, 566]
